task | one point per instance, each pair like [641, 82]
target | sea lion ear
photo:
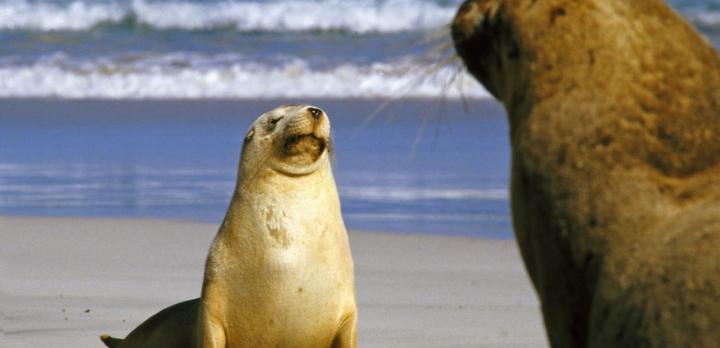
[250, 134]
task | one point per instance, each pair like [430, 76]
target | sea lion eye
[275, 120]
[249, 135]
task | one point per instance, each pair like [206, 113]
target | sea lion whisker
[460, 71]
[407, 88]
[418, 134]
[437, 58]
[420, 78]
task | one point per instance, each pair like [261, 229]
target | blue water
[178, 159]
[180, 81]
[226, 48]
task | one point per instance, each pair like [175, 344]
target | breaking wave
[195, 76]
[299, 15]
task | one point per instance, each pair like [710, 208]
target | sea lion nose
[315, 112]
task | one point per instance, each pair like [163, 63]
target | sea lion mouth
[304, 145]
[300, 153]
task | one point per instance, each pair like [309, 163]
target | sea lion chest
[279, 259]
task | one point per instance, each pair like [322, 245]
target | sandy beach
[67, 280]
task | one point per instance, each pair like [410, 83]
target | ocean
[137, 108]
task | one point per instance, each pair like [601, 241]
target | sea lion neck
[267, 182]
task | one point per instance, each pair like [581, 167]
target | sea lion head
[290, 140]
[489, 48]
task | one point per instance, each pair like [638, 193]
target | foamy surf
[301, 15]
[359, 16]
[215, 78]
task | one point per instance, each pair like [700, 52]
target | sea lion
[279, 272]
[172, 327]
[614, 112]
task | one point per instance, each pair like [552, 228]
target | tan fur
[279, 272]
[614, 110]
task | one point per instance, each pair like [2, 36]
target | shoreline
[178, 159]
[69, 280]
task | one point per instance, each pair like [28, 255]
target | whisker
[407, 89]
[418, 135]
[438, 63]
[461, 80]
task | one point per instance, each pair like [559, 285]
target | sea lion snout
[486, 46]
[306, 136]
[297, 137]
[308, 121]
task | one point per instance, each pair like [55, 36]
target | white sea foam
[161, 78]
[298, 15]
[707, 19]
[275, 15]
[78, 15]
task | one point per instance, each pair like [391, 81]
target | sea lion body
[614, 110]
[172, 327]
[279, 272]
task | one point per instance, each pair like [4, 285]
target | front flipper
[212, 334]
[110, 341]
[346, 336]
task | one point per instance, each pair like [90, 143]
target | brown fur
[614, 110]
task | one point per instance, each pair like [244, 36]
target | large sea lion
[614, 111]
[279, 272]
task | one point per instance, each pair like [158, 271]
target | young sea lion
[279, 272]
[614, 111]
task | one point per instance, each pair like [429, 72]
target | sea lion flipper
[110, 341]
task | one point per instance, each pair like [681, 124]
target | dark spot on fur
[589, 258]
[514, 52]
[555, 13]
[591, 57]
[562, 154]
[592, 222]
[300, 290]
[606, 140]
[685, 195]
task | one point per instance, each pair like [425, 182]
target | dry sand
[66, 280]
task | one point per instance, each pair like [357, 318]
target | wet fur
[614, 110]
